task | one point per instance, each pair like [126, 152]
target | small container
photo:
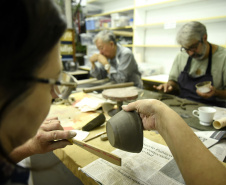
[203, 87]
[86, 61]
[131, 22]
[86, 39]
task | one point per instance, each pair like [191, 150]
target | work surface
[75, 157]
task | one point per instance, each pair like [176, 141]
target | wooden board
[120, 94]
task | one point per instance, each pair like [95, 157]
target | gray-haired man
[117, 62]
[198, 61]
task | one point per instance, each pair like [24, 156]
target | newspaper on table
[146, 167]
[153, 165]
[214, 141]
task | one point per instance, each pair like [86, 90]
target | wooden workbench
[75, 157]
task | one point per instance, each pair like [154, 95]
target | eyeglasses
[63, 86]
[192, 48]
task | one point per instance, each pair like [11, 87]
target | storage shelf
[127, 45]
[117, 28]
[163, 78]
[159, 46]
[162, 46]
[116, 11]
[91, 1]
[163, 4]
[154, 5]
[97, 1]
[205, 20]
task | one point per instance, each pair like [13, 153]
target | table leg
[115, 111]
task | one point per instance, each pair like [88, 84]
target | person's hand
[150, 111]
[94, 58]
[102, 59]
[208, 94]
[50, 136]
[166, 88]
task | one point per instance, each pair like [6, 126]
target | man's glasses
[63, 86]
[193, 48]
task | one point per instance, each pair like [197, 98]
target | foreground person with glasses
[31, 76]
[197, 62]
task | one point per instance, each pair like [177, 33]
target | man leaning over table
[117, 62]
[198, 61]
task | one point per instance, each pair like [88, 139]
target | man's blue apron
[187, 83]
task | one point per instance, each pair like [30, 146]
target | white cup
[205, 115]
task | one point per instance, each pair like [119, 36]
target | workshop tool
[98, 152]
[182, 104]
[97, 135]
[85, 81]
[119, 95]
[164, 97]
[96, 122]
[104, 137]
[92, 81]
[111, 86]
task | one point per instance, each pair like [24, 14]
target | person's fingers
[170, 88]
[49, 121]
[64, 134]
[51, 118]
[58, 144]
[159, 87]
[129, 107]
[59, 135]
[165, 87]
[53, 125]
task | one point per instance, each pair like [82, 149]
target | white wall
[159, 44]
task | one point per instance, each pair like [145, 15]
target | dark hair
[28, 33]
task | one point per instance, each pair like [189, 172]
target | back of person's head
[190, 32]
[105, 36]
[29, 31]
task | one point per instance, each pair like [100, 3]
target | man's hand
[208, 94]
[102, 59]
[169, 87]
[164, 87]
[93, 58]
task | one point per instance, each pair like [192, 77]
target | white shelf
[161, 4]
[163, 78]
[111, 12]
[127, 45]
[157, 46]
[97, 1]
[204, 20]
[116, 28]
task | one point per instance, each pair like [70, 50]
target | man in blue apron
[197, 62]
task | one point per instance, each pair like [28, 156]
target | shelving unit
[109, 8]
[116, 11]
[156, 23]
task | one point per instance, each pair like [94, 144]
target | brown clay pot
[125, 131]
